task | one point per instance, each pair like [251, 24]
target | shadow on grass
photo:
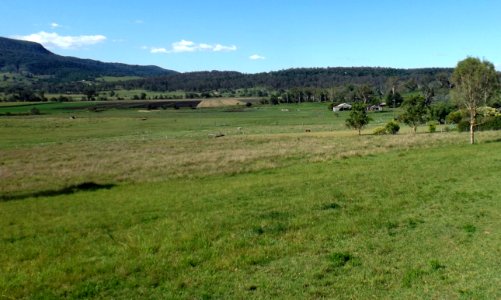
[82, 187]
[493, 141]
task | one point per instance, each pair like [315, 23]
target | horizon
[257, 36]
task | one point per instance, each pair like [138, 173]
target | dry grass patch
[155, 159]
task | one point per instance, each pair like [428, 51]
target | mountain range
[33, 58]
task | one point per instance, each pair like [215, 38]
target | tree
[34, 111]
[358, 118]
[475, 83]
[394, 99]
[415, 111]
[274, 99]
[365, 93]
[90, 92]
[454, 117]
[439, 111]
[428, 93]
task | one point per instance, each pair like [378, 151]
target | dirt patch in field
[219, 103]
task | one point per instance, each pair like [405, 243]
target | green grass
[117, 78]
[44, 107]
[7, 79]
[273, 212]
[129, 94]
[175, 123]
[130, 146]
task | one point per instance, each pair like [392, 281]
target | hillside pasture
[287, 203]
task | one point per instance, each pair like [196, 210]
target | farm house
[342, 106]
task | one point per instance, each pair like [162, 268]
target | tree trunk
[473, 116]
[359, 131]
[472, 134]
[472, 131]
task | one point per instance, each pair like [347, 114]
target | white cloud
[159, 50]
[256, 57]
[219, 48]
[54, 25]
[183, 46]
[54, 40]
[138, 21]
[205, 47]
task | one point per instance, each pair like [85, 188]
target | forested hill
[292, 78]
[23, 56]
[32, 58]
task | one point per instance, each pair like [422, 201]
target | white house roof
[344, 105]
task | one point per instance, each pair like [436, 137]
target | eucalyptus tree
[475, 83]
[415, 111]
[358, 117]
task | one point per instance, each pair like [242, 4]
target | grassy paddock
[55, 151]
[345, 228]
[267, 211]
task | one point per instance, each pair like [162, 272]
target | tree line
[476, 84]
[289, 79]
[288, 86]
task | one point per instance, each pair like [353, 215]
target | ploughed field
[260, 202]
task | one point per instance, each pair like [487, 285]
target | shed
[342, 106]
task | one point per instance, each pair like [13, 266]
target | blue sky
[261, 35]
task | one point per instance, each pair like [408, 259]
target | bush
[454, 117]
[392, 127]
[491, 123]
[34, 111]
[62, 99]
[440, 111]
[463, 125]
[380, 131]
[432, 126]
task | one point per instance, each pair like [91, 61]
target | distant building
[342, 106]
[377, 107]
